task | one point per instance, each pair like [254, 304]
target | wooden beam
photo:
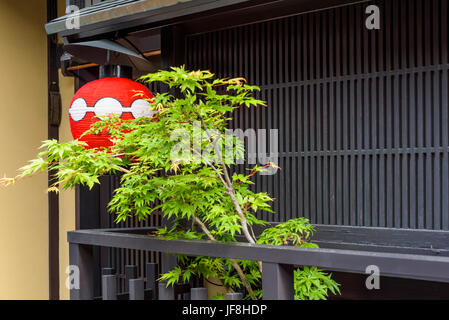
[82, 66]
[152, 53]
[92, 65]
[399, 265]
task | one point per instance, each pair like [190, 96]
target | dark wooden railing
[278, 264]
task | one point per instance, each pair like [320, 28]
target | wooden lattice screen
[362, 114]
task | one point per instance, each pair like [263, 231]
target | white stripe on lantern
[109, 106]
[78, 109]
[141, 108]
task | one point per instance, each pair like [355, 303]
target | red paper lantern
[103, 97]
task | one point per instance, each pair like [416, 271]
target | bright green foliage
[177, 164]
[310, 283]
[219, 296]
[313, 284]
[296, 232]
[73, 164]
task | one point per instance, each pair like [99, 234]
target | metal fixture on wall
[107, 52]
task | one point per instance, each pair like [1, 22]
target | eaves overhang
[125, 14]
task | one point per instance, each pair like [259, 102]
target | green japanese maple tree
[179, 163]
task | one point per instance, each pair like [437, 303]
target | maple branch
[233, 261]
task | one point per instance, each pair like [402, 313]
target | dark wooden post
[152, 275]
[234, 296]
[198, 294]
[130, 273]
[277, 281]
[81, 257]
[136, 289]
[54, 120]
[107, 271]
[109, 287]
[166, 293]
[169, 261]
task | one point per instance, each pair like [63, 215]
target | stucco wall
[23, 125]
[66, 198]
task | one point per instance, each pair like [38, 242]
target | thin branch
[224, 183]
[5, 181]
[120, 169]
[207, 162]
[229, 186]
[205, 229]
[233, 261]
